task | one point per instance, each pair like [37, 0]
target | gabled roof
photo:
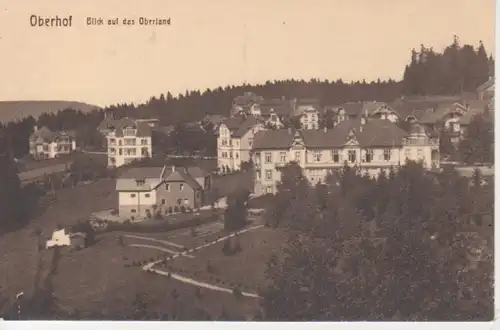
[43, 133]
[418, 106]
[153, 176]
[351, 108]
[48, 136]
[247, 98]
[273, 139]
[374, 133]
[143, 129]
[239, 125]
[432, 116]
[213, 119]
[280, 107]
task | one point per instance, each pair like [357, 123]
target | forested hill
[15, 110]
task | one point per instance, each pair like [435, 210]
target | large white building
[372, 145]
[235, 140]
[128, 140]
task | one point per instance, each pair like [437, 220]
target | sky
[220, 42]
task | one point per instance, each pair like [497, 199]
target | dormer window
[129, 131]
[140, 182]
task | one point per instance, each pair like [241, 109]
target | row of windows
[229, 154]
[127, 142]
[225, 142]
[336, 156]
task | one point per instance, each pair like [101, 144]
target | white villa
[128, 140]
[46, 144]
[235, 140]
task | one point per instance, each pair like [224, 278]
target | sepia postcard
[247, 161]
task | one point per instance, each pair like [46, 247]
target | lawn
[97, 278]
[19, 253]
[246, 268]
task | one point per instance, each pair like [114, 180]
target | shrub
[183, 209]
[127, 222]
[170, 209]
[176, 209]
[114, 212]
[158, 215]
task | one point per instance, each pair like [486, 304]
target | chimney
[325, 129]
[361, 127]
[289, 130]
[363, 121]
[35, 128]
[173, 168]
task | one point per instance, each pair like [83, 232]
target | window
[317, 156]
[112, 151]
[112, 142]
[182, 186]
[297, 156]
[144, 142]
[250, 142]
[120, 151]
[163, 201]
[257, 158]
[269, 190]
[283, 157]
[269, 174]
[224, 154]
[140, 182]
[419, 153]
[269, 157]
[133, 210]
[230, 154]
[335, 156]
[258, 174]
[147, 195]
[120, 142]
[129, 142]
[352, 156]
[369, 155]
[132, 195]
[387, 155]
[407, 153]
[129, 132]
[236, 155]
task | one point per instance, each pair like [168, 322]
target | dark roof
[48, 136]
[279, 106]
[374, 133]
[273, 139]
[213, 119]
[247, 98]
[143, 129]
[432, 116]
[170, 174]
[246, 125]
[351, 108]
[417, 107]
[239, 125]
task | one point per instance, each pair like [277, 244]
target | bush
[176, 209]
[170, 209]
[114, 212]
[183, 209]
[158, 216]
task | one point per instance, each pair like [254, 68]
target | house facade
[46, 144]
[145, 191]
[371, 145]
[128, 140]
[486, 91]
[234, 143]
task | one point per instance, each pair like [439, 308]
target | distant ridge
[14, 110]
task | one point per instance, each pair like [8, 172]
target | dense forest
[457, 69]
[411, 245]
